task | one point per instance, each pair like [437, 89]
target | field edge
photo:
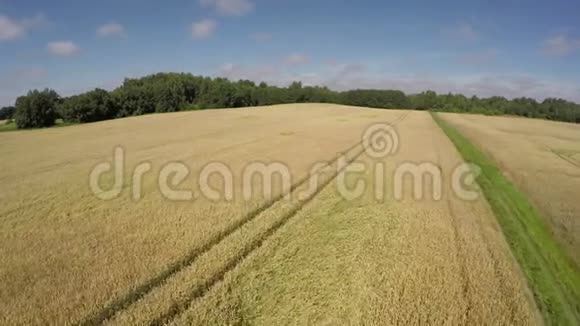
[551, 274]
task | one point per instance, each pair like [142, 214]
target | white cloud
[229, 7]
[11, 29]
[111, 29]
[560, 45]
[296, 59]
[203, 29]
[63, 48]
[262, 37]
[462, 32]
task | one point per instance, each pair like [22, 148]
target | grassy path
[551, 274]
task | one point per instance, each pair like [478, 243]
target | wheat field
[542, 158]
[68, 257]
[378, 262]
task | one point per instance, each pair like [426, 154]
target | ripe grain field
[378, 262]
[551, 273]
[542, 158]
[68, 257]
[83, 254]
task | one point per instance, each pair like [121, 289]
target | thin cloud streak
[203, 29]
[63, 48]
[111, 29]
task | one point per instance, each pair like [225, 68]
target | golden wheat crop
[542, 158]
[66, 254]
[375, 262]
[69, 257]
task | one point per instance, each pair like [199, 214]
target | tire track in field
[139, 292]
[255, 244]
[566, 158]
[201, 291]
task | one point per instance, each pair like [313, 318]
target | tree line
[169, 92]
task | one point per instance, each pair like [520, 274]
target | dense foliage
[167, 92]
[37, 109]
[88, 107]
[7, 112]
[385, 99]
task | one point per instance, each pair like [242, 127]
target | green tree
[425, 101]
[7, 112]
[37, 109]
[92, 106]
[166, 92]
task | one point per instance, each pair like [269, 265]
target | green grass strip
[57, 124]
[552, 276]
[8, 127]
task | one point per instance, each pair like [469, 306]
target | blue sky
[510, 48]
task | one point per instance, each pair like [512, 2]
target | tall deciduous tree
[37, 109]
